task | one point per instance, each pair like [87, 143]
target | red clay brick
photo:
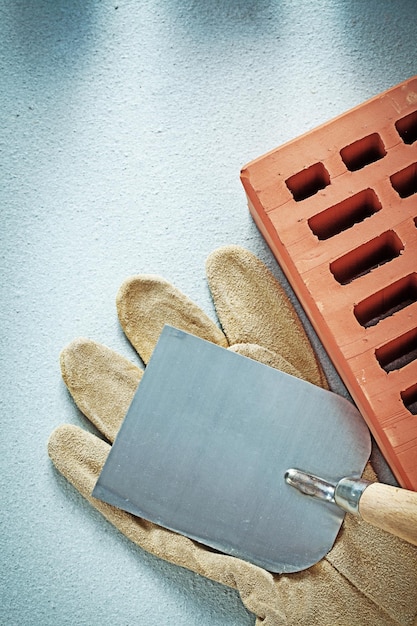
[338, 207]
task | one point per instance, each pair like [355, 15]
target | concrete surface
[123, 129]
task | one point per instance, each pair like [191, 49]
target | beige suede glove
[368, 578]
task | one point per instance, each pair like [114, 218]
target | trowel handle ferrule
[348, 492]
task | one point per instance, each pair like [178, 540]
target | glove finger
[253, 308]
[101, 382]
[79, 456]
[145, 303]
[265, 356]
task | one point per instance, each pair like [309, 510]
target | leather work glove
[368, 578]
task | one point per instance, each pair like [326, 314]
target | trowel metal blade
[205, 445]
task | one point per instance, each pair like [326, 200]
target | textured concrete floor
[124, 125]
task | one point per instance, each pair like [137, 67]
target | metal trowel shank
[206, 443]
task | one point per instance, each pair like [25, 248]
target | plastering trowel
[213, 444]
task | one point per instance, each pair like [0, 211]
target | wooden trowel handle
[391, 509]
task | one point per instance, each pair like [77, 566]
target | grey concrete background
[124, 125]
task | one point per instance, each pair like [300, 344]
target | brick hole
[345, 214]
[386, 302]
[363, 152]
[407, 128]
[399, 352]
[308, 182]
[409, 398]
[367, 257]
[405, 181]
